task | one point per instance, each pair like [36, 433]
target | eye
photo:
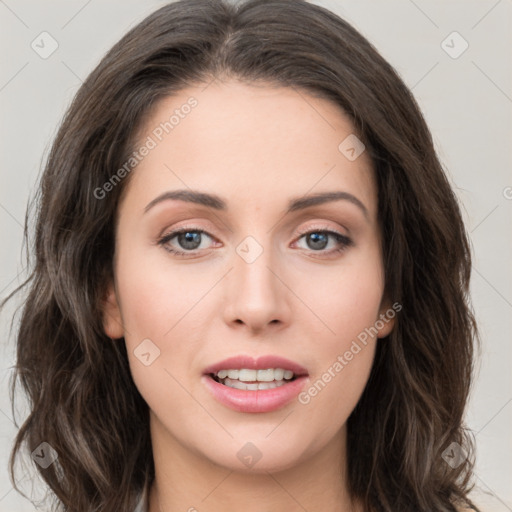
[319, 241]
[188, 240]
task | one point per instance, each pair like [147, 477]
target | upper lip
[256, 363]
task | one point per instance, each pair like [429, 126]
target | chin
[259, 454]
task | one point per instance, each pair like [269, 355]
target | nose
[257, 297]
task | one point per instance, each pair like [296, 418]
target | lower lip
[261, 400]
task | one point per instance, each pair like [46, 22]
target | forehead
[254, 143]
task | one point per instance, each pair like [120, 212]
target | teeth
[267, 376]
[237, 384]
[279, 374]
[247, 375]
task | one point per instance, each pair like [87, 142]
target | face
[258, 272]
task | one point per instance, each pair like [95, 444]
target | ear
[386, 321]
[112, 320]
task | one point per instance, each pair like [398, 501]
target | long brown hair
[83, 401]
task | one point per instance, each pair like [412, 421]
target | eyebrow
[295, 204]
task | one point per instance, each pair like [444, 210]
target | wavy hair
[83, 401]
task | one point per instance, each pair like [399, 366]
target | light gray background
[467, 102]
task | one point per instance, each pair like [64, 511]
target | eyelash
[343, 241]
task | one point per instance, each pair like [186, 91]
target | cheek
[344, 357]
[156, 293]
[348, 304]
[332, 394]
[162, 303]
[344, 299]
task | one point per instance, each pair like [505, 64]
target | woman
[251, 278]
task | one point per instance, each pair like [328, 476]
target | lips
[246, 384]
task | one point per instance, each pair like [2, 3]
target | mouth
[246, 384]
[253, 380]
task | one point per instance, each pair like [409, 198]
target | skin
[256, 147]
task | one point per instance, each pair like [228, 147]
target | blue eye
[189, 241]
[318, 241]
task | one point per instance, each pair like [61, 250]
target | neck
[187, 481]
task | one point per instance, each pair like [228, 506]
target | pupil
[318, 240]
[189, 239]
